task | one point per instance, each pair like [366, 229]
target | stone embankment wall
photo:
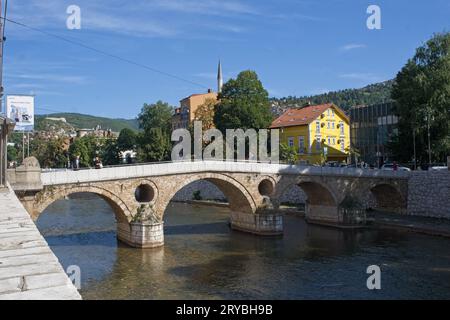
[429, 194]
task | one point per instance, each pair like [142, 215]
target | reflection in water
[203, 259]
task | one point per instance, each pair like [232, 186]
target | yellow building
[318, 133]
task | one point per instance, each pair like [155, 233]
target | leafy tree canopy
[422, 94]
[244, 103]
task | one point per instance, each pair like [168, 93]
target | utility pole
[429, 137]
[4, 124]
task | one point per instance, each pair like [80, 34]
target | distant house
[97, 132]
[320, 132]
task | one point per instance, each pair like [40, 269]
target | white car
[390, 167]
[439, 168]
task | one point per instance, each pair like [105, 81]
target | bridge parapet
[58, 177]
[26, 177]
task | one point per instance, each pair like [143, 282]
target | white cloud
[352, 46]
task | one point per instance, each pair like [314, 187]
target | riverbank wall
[29, 270]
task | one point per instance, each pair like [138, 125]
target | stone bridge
[140, 194]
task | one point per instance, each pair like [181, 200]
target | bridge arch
[388, 196]
[317, 193]
[239, 198]
[49, 195]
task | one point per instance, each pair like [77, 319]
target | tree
[127, 140]
[156, 115]
[79, 148]
[50, 153]
[422, 94]
[110, 153]
[288, 154]
[12, 153]
[154, 146]
[244, 103]
[205, 113]
[154, 142]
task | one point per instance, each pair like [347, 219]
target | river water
[203, 259]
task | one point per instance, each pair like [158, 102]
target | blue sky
[296, 47]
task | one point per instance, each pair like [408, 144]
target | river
[203, 259]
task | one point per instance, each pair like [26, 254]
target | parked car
[390, 167]
[439, 168]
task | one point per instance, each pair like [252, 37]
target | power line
[80, 44]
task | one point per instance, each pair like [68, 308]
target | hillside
[371, 94]
[83, 121]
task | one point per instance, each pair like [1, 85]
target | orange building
[185, 114]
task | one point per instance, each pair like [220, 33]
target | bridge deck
[58, 177]
[28, 268]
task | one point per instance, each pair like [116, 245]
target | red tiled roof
[301, 116]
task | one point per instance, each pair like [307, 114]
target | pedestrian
[76, 164]
[395, 166]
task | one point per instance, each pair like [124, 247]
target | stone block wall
[429, 194]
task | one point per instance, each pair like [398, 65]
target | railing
[184, 167]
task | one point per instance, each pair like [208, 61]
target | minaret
[219, 78]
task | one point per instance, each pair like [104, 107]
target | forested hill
[83, 121]
[371, 94]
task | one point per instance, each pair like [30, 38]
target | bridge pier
[266, 224]
[321, 213]
[141, 234]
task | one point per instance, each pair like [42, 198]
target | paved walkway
[28, 268]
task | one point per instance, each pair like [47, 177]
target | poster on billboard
[20, 108]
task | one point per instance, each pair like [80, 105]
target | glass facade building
[370, 130]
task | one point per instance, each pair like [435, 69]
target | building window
[342, 146]
[291, 141]
[317, 126]
[318, 144]
[334, 141]
[342, 128]
[301, 145]
[328, 125]
[332, 113]
[332, 125]
[328, 112]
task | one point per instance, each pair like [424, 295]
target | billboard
[20, 108]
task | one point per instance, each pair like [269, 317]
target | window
[317, 126]
[328, 112]
[332, 113]
[342, 128]
[342, 146]
[291, 141]
[334, 141]
[332, 125]
[329, 141]
[301, 144]
[318, 144]
[328, 125]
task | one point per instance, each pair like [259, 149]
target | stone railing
[58, 177]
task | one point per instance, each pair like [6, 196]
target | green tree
[422, 94]
[154, 142]
[288, 154]
[110, 153]
[154, 146]
[157, 115]
[12, 153]
[50, 153]
[127, 140]
[243, 103]
[79, 148]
